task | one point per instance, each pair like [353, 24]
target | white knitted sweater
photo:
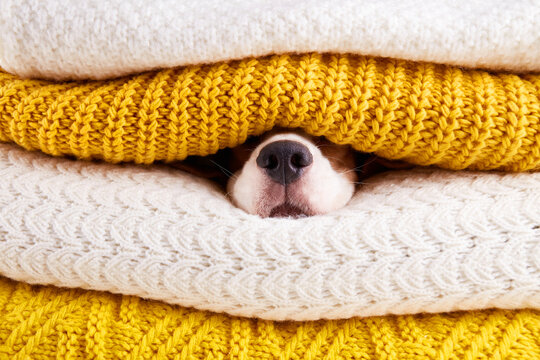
[97, 39]
[409, 242]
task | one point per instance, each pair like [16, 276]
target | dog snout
[284, 161]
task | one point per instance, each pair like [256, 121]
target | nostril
[267, 160]
[272, 162]
[296, 160]
[301, 159]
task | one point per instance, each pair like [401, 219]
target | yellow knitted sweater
[51, 323]
[423, 113]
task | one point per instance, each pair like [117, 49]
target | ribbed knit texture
[423, 113]
[51, 323]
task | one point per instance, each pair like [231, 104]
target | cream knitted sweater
[98, 39]
[408, 242]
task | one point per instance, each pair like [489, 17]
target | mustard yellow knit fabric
[51, 323]
[423, 113]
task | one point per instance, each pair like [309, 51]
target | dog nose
[284, 160]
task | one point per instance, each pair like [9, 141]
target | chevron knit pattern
[423, 113]
[50, 323]
[408, 242]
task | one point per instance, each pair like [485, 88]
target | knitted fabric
[50, 323]
[97, 39]
[423, 113]
[408, 242]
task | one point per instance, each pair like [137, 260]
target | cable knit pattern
[408, 242]
[423, 113]
[98, 39]
[50, 323]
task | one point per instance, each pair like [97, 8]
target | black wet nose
[284, 160]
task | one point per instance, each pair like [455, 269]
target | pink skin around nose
[278, 200]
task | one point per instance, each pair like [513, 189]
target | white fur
[326, 189]
[321, 188]
[243, 188]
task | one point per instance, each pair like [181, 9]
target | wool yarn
[423, 113]
[408, 242]
[51, 323]
[98, 39]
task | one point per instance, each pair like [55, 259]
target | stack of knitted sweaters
[107, 254]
